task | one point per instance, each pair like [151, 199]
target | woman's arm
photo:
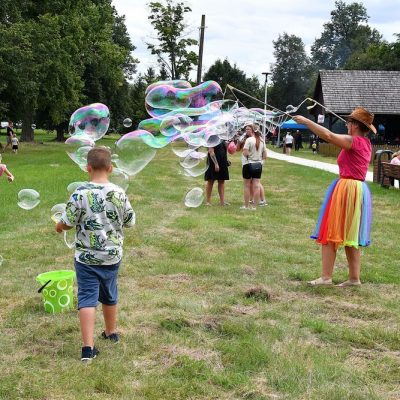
[342, 141]
[211, 152]
[246, 148]
[264, 153]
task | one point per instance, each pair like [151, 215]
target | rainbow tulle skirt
[346, 215]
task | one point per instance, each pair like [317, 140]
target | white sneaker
[262, 203]
[244, 208]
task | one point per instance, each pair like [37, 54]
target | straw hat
[362, 115]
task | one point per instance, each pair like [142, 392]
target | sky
[243, 30]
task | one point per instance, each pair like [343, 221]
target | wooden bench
[390, 172]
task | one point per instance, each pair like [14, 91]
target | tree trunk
[60, 134]
[27, 131]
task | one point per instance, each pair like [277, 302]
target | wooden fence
[331, 150]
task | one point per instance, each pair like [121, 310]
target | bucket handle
[41, 288]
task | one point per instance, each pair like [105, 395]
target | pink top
[354, 163]
[2, 169]
[395, 161]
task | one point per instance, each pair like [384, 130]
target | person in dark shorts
[10, 134]
[217, 160]
[254, 152]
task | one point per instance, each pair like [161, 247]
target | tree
[344, 34]
[58, 55]
[224, 73]
[137, 95]
[384, 56]
[291, 72]
[172, 51]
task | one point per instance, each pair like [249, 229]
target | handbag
[255, 167]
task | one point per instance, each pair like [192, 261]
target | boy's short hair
[99, 158]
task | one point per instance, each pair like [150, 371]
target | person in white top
[289, 143]
[254, 152]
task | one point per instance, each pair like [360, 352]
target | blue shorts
[96, 284]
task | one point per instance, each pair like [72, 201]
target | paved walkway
[311, 163]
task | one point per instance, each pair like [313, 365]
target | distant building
[377, 91]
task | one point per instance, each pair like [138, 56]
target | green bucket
[57, 290]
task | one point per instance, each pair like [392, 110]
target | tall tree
[172, 50]
[58, 55]
[291, 72]
[384, 56]
[345, 33]
[224, 73]
[137, 95]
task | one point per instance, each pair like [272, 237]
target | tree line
[57, 55]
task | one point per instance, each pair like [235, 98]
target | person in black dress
[217, 160]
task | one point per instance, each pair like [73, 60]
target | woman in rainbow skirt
[346, 212]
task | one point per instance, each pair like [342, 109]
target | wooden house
[377, 91]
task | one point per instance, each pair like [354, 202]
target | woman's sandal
[320, 282]
[348, 283]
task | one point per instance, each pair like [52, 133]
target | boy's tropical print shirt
[99, 212]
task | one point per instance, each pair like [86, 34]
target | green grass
[213, 301]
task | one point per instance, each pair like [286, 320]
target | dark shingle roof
[377, 91]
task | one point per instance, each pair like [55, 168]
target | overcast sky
[243, 30]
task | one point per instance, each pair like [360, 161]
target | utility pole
[200, 64]
[265, 101]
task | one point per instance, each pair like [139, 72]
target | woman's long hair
[257, 135]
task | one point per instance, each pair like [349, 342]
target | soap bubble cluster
[188, 119]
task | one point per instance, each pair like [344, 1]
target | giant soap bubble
[119, 178]
[92, 120]
[133, 153]
[28, 199]
[79, 140]
[194, 198]
[159, 112]
[171, 98]
[79, 156]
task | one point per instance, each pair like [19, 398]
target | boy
[314, 147]
[99, 210]
[14, 142]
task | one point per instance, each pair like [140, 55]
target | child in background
[3, 169]
[14, 143]
[314, 147]
[99, 210]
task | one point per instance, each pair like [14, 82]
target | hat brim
[370, 127]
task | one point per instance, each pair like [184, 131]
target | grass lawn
[213, 300]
